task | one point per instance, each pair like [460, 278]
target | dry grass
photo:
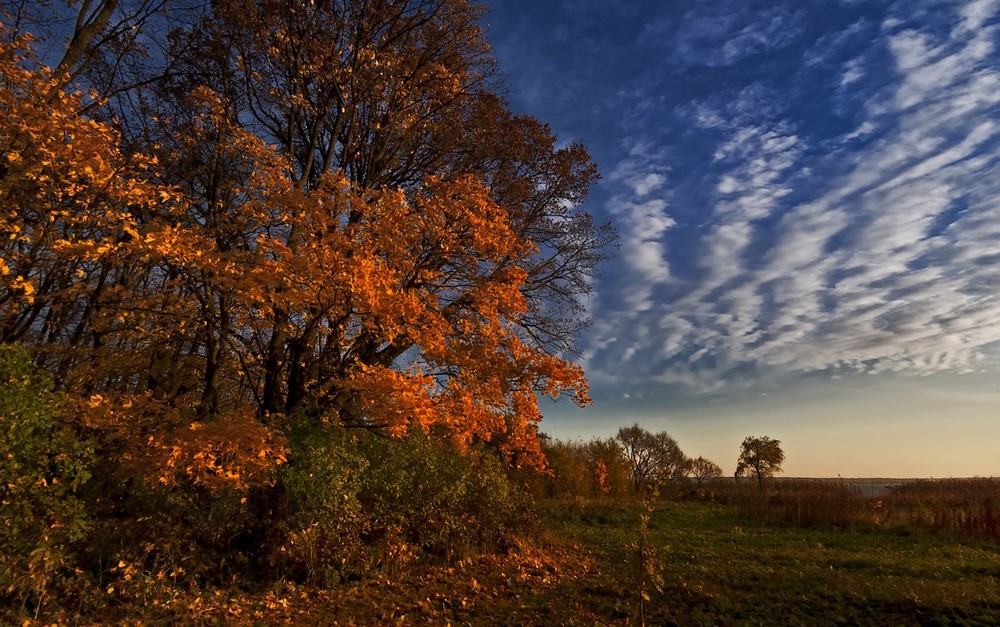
[968, 507]
[964, 507]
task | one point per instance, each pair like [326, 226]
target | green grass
[718, 568]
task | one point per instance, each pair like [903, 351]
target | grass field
[716, 568]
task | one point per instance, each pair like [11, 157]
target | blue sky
[808, 195]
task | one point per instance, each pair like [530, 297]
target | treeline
[634, 462]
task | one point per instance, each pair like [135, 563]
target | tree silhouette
[651, 457]
[704, 470]
[761, 456]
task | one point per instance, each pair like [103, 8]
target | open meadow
[713, 566]
[611, 562]
[699, 563]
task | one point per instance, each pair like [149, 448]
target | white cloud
[643, 208]
[722, 34]
[647, 184]
[832, 45]
[864, 130]
[890, 266]
[974, 14]
[853, 72]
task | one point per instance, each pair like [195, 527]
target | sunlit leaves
[349, 227]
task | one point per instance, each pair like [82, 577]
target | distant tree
[567, 471]
[761, 457]
[604, 458]
[672, 464]
[703, 470]
[652, 457]
[593, 469]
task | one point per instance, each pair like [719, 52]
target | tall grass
[806, 502]
[965, 507]
[968, 507]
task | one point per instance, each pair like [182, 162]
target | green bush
[43, 464]
[422, 494]
[346, 504]
[325, 518]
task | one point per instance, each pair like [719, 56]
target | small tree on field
[652, 458]
[703, 470]
[761, 457]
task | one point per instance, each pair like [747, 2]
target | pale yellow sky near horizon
[918, 427]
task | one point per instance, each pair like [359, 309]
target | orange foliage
[366, 237]
[234, 452]
[68, 198]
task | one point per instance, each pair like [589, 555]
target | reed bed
[964, 507]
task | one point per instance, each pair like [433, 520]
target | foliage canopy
[243, 240]
[273, 208]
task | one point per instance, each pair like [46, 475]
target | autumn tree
[317, 208]
[595, 468]
[761, 457]
[606, 462]
[466, 272]
[69, 195]
[704, 470]
[106, 48]
[567, 473]
[652, 458]
[236, 219]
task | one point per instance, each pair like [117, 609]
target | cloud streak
[870, 248]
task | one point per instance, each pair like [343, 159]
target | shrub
[43, 464]
[804, 502]
[968, 507]
[185, 502]
[325, 519]
[180, 500]
[422, 494]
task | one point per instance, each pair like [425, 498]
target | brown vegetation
[964, 507]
